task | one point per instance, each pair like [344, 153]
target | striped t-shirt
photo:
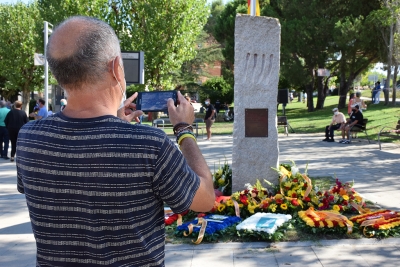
[95, 190]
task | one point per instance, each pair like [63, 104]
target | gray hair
[96, 46]
[2, 103]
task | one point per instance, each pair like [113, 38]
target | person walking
[42, 112]
[14, 120]
[95, 183]
[209, 119]
[4, 137]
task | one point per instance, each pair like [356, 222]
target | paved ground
[375, 174]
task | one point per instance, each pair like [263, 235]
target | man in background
[209, 119]
[96, 184]
[42, 111]
[356, 120]
[4, 137]
[338, 119]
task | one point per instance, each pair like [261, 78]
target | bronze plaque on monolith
[256, 122]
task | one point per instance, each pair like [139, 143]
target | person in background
[15, 119]
[358, 101]
[356, 120]
[226, 108]
[95, 183]
[217, 107]
[50, 112]
[338, 120]
[209, 119]
[4, 137]
[350, 104]
[377, 90]
[63, 103]
[42, 112]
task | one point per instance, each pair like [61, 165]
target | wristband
[182, 133]
[186, 135]
[182, 129]
[179, 125]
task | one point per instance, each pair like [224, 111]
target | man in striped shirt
[95, 184]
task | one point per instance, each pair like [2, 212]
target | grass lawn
[315, 122]
[303, 121]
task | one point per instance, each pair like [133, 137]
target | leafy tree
[164, 29]
[20, 31]
[387, 22]
[208, 53]
[217, 89]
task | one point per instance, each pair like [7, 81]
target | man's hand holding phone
[184, 112]
[128, 112]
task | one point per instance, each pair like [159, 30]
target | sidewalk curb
[265, 245]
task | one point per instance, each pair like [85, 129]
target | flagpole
[253, 7]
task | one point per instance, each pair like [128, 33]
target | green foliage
[217, 89]
[20, 32]
[165, 30]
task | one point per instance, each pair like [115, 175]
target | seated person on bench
[356, 120]
[337, 120]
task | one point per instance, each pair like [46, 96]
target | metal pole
[253, 7]
[46, 67]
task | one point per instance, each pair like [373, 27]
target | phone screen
[155, 101]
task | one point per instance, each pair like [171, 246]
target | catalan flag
[257, 7]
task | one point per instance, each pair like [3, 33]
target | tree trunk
[389, 67]
[310, 102]
[396, 68]
[25, 100]
[321, 93]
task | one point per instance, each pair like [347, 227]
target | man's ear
[117, 71]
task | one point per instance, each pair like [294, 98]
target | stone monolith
[255, 135]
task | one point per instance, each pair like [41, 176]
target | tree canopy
[20, 31]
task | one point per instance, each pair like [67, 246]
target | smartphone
[155, 101]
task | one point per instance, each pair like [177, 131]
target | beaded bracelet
[186, 135]
[182, 133]
[179, 125]
[181, 129]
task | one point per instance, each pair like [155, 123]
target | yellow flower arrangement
[328, 219]
[221, 207]
[273, 207]
[383, 220]
[336, 208]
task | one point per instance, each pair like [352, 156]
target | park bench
[360, 128]
[165, 123]
[282, 121]
[388, 131]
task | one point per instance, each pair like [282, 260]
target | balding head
[79, 50]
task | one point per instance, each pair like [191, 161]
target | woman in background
[63, 103]
[14, 120]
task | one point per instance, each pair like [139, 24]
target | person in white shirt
[337, 120]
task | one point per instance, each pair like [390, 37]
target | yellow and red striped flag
[257, 7]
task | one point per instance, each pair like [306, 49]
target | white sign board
[38, 59]
[324, 72]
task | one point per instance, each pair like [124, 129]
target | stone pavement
[374, 172]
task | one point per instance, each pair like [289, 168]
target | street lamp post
[46, 66]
